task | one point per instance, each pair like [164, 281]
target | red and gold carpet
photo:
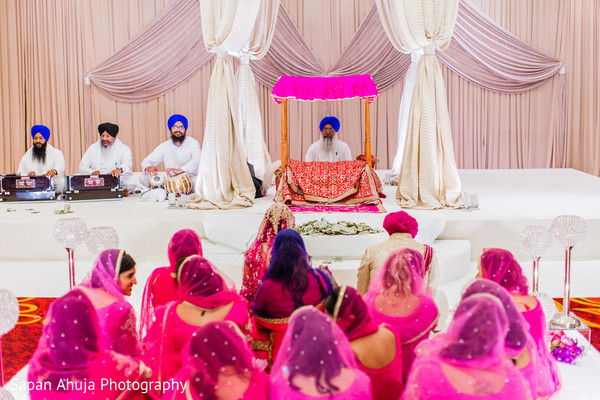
[588, 309]
[19, 344]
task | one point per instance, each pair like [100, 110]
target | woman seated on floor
[500, 266]
[218, 364]
[205, 295]
[277, 218]
[377, 347]
[161, 286]
[110, 280]
[288, 284]
[520, 346]
[70, 361]
[468, 361]
[316, 361]
[399, 297]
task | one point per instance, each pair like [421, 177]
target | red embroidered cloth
[335, 183]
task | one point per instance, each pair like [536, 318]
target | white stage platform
[32, 264]
[508, 201]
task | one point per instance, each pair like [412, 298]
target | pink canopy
[324, 88]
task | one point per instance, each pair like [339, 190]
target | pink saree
[70, 363]
[201, 285]
[218, 364]
[116, 316]
[468, 362]
[277, 217]
[161, 287]
[398, 296]
[316, 362]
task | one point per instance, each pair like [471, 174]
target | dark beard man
[177, 139]
[39, 153]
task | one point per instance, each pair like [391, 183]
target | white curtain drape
[250, 121]
[428, 177]
[224, 179]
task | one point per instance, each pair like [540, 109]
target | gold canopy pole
[284, 138]
[367, 132]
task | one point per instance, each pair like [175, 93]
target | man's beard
[39, 154]
[177, 139]
[328, 143]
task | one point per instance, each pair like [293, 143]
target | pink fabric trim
[324, 88]
[373, 208]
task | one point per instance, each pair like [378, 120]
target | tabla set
[177, 184]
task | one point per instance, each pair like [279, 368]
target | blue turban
[333, 121]
[177, 117]
[42, 130]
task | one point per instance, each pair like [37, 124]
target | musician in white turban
[329, 147]
[42, 158]
[180, 153]
[109, 156]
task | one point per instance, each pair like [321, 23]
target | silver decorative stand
[70, 233]
[536, 241]
[102, 238]
[568, 230]
[9, 315]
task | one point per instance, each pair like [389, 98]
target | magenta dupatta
[218, 360]
[277, 218]
[398, 282]
[500, 266]
[161, 287]
[202, 285]
[315, 347]
[116, 316]
[474, 346]
[69, 350]
[550, 380]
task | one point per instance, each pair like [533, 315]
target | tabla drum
[156, 181]
[179, 184]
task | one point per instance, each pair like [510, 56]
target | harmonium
[93, 187]
[25, 188]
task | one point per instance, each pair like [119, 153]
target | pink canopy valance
[324, 88]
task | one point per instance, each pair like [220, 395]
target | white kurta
[54, 160]
[185, 157]
[318, 152]
[106, 159]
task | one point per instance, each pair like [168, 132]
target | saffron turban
[177, 118]
[333, 121]
[109, 128]
[42, 130]
[400, 222]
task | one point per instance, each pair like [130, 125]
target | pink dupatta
[399, 297]
[70, 363]
[161, 287]
[202, 285]
[467, 362]
[316, 356]
[116, 316]
[218, 363]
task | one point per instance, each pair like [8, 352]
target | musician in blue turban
[328, 147]
[42, 158]
[180, 154]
